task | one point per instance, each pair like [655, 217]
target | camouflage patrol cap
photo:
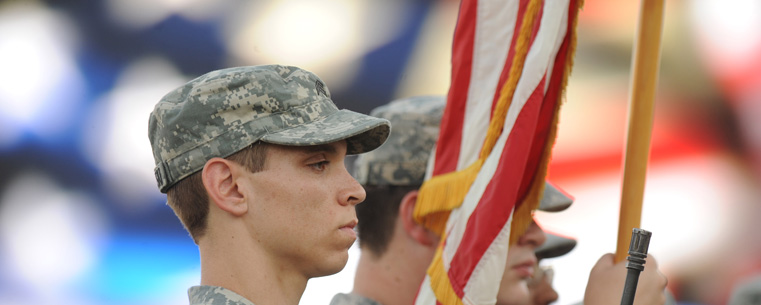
[554, 200]
[224, 111]
[403, 158]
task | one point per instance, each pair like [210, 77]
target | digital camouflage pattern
[213, 295]
[224, 111]
[403, 158]
[351, 299]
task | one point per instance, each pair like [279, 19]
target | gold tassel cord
[440, 284]
[435, 202]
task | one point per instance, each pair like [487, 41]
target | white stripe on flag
[425, 295]
[495, 22]
[482, 287]
[559, 41]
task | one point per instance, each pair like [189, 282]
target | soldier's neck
[243, 268]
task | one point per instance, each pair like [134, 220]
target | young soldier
[252, 161]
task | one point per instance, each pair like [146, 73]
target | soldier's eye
[320, 166]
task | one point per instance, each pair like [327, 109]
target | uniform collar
[213, 295]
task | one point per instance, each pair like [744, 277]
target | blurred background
[82, 222]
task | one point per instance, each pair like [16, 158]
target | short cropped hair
[189, 199]
[377, 215]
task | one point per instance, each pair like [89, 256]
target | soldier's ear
[416, 231]
[221, 178]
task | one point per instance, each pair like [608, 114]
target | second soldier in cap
[396, 250]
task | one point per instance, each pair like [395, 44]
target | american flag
[510, 64]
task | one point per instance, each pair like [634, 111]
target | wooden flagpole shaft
[646, 60]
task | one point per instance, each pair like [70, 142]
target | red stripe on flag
[491, 214]
[454, 113]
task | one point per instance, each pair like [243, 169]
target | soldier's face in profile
[302, 207]
[520, 267]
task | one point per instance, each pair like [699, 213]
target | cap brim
[362, 133]
[554, 199]
[555, 246]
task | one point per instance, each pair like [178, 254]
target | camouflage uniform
[351, 299]
[213, 295]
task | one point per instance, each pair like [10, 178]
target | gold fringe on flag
[440, 284]
[442, 194]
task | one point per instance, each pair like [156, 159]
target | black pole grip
[635, 263]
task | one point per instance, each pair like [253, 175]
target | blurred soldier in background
[396, 250]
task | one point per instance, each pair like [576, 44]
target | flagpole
[646, 59]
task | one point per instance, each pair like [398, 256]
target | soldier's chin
[518, 293]
[333, 265]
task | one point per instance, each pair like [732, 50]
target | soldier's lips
[526, 269]
[349, 228]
